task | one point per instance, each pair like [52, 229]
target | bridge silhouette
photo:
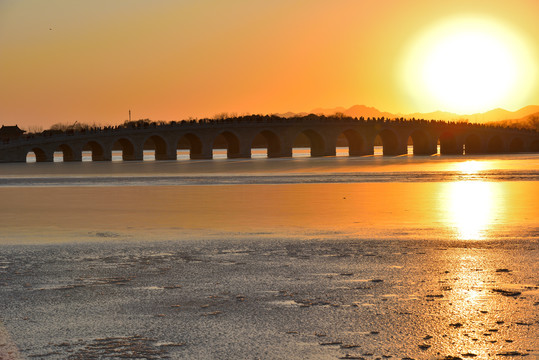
[279, 135]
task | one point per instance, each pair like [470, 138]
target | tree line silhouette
[59, 128]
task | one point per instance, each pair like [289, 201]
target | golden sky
[92, 61]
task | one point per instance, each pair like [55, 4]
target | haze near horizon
[89, 62]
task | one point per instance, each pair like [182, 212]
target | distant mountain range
[526, 117]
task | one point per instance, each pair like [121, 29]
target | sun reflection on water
[470, 167]
[471, 310]
[471, 208]
[471, 205]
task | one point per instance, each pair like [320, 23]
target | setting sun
[469, 64]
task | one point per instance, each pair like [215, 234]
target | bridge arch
[496, 145]
[473, 144]
[516, 145]
[420, 143]
[192, 143]
[127, 148]
[448, 144]
[39, 153]
[67, 152]
[98, 154]
[158, 144]
[271, 140]
[312, 139]
[390, 142]
[322, 135]
[230, 141]
[356, 142]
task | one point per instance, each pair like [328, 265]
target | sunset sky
[93, 61]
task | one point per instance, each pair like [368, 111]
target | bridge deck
[279, 135]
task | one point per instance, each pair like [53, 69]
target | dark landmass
[527, 117]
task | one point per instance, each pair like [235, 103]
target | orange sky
[92, 61]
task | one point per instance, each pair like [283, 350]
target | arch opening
[155, 148]
[123, 149]
[92, 151]
[516, 145]
[308, 143]
[472, 144]
[266, 144]
[495, 145]
[350, 142]
[226, 141]
[189, 146]
[36, 155]
[64, 153]
[386, 143]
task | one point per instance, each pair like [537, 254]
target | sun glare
[470, 167]
[468, 65]
[470, 208]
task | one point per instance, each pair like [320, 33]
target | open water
[302, 258]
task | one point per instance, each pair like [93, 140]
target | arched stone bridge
[279, 135]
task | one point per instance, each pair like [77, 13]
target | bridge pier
[451, 147]
[364, 150]
[239, 155]
[206, 153]
[368, 147]
[136, 155]
[331, 146]
[319, 152]
[165, 156]
[392, 146]
[171, 153]
[430, 149]
[285, 152]
[274, 155]
[400, 149]
[201, 156]
[106, 156]
[243, 153]
[459, 149]
[74, 157]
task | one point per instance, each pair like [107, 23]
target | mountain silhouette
[530, 121]
[524, 115]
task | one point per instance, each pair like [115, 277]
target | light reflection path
[478, 320]
[471, 208]
[472, 205]
[470, 167]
